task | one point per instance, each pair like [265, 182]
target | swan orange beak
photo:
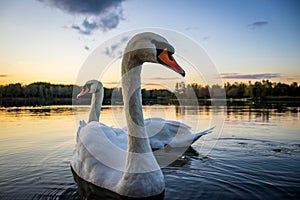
[83, 92]
[169, 60]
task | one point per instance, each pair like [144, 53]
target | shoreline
[36, 101]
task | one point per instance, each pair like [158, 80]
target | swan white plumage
[175, 134]
[96, 158]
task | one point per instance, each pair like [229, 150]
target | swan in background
[175, 134]
[117, 136]
[134, 172]
[96, 88]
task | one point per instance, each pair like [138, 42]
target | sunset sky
[49, 40]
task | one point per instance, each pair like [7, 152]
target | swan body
[133, 172]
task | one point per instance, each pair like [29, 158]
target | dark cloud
[86, 27]
[258, 24]
[110, 21]
[98, 14]
[249, 76]
[89, 25]
[75, 27]
[3, 75]
[81, 30]
[85, 7]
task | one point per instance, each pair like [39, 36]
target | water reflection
[257, 155]
[45, 111]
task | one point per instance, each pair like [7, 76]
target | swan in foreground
[134, 172]
[175, 134]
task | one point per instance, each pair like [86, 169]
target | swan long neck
[138, 141]
[96, 104]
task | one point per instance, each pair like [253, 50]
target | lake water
[255, 154]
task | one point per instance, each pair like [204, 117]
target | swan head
[91, 86]
[151, 47]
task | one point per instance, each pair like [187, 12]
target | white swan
[117, 136]
[96, 159]
[164, 132]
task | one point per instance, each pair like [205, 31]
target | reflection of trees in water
[242, 109]
[263, 111]
[38, 111]
[198, 109]
[9, 102]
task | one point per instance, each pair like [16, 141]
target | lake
[254, 154]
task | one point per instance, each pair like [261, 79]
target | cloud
[206, 38]
[190, 28]
[116, 49]
[112, 82]
[3, 75]
[161, 78]
[89, 25]
[258, 24]
[86, 7]
[111, 20]
[249, 76]
[98, 14]
[87, 48]
[155, 86]
[81, 30]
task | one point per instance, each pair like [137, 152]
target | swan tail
[82, 123]
[198, 135]
[188, 140]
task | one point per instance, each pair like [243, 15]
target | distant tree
[13, 90]
[294, 89]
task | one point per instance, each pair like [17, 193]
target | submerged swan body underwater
[175, 134]
[134, 172]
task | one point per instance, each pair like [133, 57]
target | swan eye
[158, 52]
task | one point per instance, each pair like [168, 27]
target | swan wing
[161, 132]
[173, 133]
[166, 128]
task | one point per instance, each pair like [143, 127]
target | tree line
[259, 89]
[43, 93]
[36, 90]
